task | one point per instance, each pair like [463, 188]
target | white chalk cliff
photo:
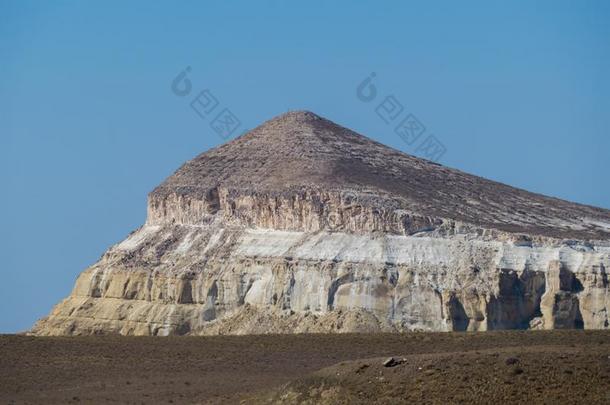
[301, 225]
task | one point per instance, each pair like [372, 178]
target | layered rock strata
[305, 226]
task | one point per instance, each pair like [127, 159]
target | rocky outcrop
[209, 279]
[233, 251]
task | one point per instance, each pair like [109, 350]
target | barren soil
[511, 366]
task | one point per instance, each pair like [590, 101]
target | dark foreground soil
[503, 367]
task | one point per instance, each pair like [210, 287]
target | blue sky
[516, 91]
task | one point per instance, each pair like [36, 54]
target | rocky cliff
[301, 225]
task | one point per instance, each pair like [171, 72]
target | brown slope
[300, 150]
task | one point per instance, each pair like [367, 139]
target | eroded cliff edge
[304, 226]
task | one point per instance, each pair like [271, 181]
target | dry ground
[509, 367]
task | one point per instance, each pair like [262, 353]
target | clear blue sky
[518, 92]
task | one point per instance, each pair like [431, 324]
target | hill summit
[300, 150]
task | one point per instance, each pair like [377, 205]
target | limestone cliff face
[332, 233]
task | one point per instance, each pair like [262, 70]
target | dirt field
[513, 366]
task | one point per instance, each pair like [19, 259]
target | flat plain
[561, 366]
